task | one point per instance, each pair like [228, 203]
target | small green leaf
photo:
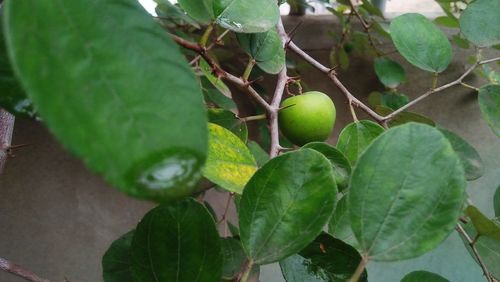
[460, 42]
[214, 80]
[215, 97]
[246, 16]
[116, 93]
[326, 259]
[394, 101]
[286, 204]
[169, 12]
[340, 164]
[229, 162]
[375, 99]
[356, 136]
[260, 155]
[479, 22]
[469, 157]
[446, 21]
[489, 103]
[233, 255]
[404, 117]
[229, 121]
[116, 260]
[482, 224]
[372, 9]
[343, 58]
[199, 10]
[266, 48]
[340, 223]
[406, 193]
[389, 72]
[177, 242]
[421, 276]
[421, 43]
[496, 202]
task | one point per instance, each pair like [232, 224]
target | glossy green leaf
[246, 16]
[229, 162]
[496, 202]
[489, 103]
[116, 260]
[260, 155]
[168, 12]
[482, 224]
[326, 259]
[389, 72]
[471, 161]
[340, 164]
[229, 121]
[116, 93]
[177, 242]
[421, 276]
[340, 223]
[12, 97]
[356, 136]
[479, 22]
[404, 117]
[420, 42]
[286, 204]
[199, 10]
[266, 49]
[488, 249]
[233, 255]
[446, 21]
[406, 193]
[214, 80]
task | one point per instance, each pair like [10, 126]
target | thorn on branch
[248, 83]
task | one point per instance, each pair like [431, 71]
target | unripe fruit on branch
[307, 118]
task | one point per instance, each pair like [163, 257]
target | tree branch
[6, 128]
[471, 242]
[20, 271]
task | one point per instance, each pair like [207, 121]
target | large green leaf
[229, 163]
[285, 205]
[421, 276]
[340, 164]
[116, 93]
[177, 242]
[479, 22]
[116, 260]
[406, 193]
[340, 223]
[246, 16]
[199, 10]
[389, 72]
[266, 49]
[233, 256]
[325, 260]
[489, 103]
[482, 224]
[421, 42]
[228, 120]
[472, 162]
[356, 136]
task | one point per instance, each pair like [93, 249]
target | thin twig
[6, 129]
[217, 41]
[471, 242]
[17, 270]
[366, 27]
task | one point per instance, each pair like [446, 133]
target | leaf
[343, 58]
[356, 136]
[372, 9]
[116, 260]
[340, 164]
[169, 12]
[479, 22]
[117, 94]
[404, 117]
[489, 103]
[216, 98]
[446, 21]
[177, 242]
[421, 275]
[266, 49]
[394, 101]
[285, 205]
[325, 260]
[496, 202]
[389, 72]
[233, 255]
[235, 231]
[214, 80]
[406, 193]
[482, 224]
[420, 42]
[460, 42]
[199, 10]
[229, 162]
[340, 223]
[260, 155]
[246, 16]
[469, 157]
[488, 249]
[229, 121]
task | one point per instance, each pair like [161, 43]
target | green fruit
[307, 118]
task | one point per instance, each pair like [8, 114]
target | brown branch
[6, 128]
[17, 270]
[471, 242]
